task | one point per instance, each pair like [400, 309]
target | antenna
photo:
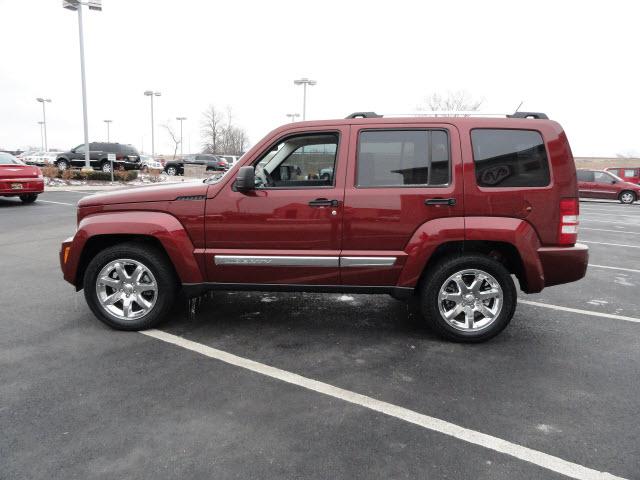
[521, 102]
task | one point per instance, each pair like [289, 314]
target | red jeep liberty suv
[441, 212]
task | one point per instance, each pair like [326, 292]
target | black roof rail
[536, 115]
[364, 115]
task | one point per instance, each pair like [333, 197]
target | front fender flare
[162, 226]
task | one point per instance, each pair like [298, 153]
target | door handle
[441, 201]
[323, 202]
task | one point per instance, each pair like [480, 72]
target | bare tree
[220, 135]
[211, 129]
[458, 101]
[174, 138]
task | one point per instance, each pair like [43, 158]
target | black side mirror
[613, 182]
[245, 180]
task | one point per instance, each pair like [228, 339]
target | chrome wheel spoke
[452, 297]
[468, 318]
[485, 311]
[488, 294]
[122, 297]
[454, 312]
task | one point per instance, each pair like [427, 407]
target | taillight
[568, 225]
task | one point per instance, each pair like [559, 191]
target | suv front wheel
[468, 298]
[129, 286]
[627, 197]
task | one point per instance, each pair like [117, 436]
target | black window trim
[300, 134]
[498, 189]
[405, 129]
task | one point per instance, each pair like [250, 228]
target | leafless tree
[458, 101]
[211, 129]
[220, 135]
[174, 138]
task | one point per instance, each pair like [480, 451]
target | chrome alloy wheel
[470, 300]
[126, 289]
[627, 197]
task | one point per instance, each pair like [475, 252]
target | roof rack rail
[363, 115]
[536, 115]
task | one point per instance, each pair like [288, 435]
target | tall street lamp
[180, 119]
[151, 94]
[76, 5]
[304, 81]
[44, 118]
[292, 116]
[107, 122]
[41, 137]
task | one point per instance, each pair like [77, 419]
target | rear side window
[395, 158]
[584, 176]
[510, 158]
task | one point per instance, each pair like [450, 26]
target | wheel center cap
[468, 298]
[128, 289]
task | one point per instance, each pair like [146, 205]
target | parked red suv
[601, 184]
[438, 211]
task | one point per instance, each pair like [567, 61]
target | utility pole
[292, 116]
[43, 101]
[41, 137]
[151, 94]
[108, 122]
[180, 119]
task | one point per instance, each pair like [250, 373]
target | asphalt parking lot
[360, 388]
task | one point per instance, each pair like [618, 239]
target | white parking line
[609, 230]
[615, 268]
[582, 312]
[536, 457]
[58, 203]
[613, 222]
[611, 244]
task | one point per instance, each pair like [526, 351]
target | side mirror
[613, 182]
[245, 180]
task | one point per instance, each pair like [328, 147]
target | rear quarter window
[510, 158]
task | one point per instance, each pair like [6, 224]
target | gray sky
[578, 61]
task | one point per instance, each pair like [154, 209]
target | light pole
[44, 118]
[292, 116]
[151, 94]
[304, 81]
[41, 137]
[76, 5]
[108, 122]
[180, 119]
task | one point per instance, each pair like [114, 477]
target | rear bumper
[29, 185]
[563, 264]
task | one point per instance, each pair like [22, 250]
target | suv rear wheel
[105, 166]
[627, 197]
[62, 165]
[468, 298]
[130, 287]
[171, 170]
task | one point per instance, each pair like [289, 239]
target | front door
[288, 230]
[401, 178]
[605, 185]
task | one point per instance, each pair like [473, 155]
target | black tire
[627, 197]
[29, 197]
[62, 164]
[441, 272]
[105, 166]
[151, 258]
[171, 170]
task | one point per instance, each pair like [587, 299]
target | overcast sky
[578, 61]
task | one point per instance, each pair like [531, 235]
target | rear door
[398, 179]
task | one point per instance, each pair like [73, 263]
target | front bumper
[563, 264]
[29, 185]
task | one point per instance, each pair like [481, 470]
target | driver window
[298, 162]
[79, 149]
[602, 177]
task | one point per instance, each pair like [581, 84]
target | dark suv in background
[212, 162]
[127, 157]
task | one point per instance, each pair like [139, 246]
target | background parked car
[19, 180]
[147, 162]
[127, 157]
[231, 159]
[40, 158]
[628, 174]
[601, 184]
[212, 162]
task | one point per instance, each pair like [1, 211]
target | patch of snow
[346, 298]
[622, 280]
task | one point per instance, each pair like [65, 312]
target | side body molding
[161, 226]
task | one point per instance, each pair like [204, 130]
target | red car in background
[601, 184]
[19, 180]
[628, 174]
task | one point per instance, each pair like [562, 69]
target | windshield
[8, 159]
